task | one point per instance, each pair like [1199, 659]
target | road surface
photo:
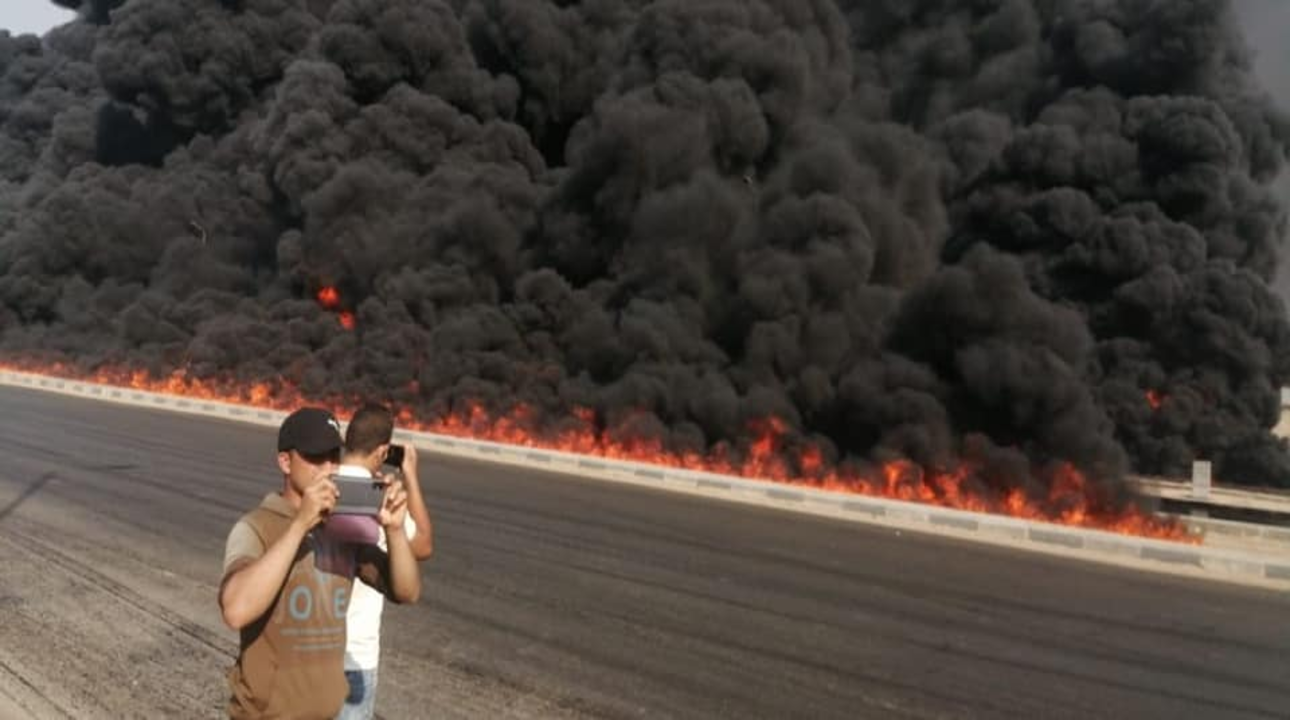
[561, 597]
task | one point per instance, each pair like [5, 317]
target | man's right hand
[409, 466]
[317, 501]
[422, 541]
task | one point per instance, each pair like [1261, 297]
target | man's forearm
[423, 542]
[405, 577]
[249, 592]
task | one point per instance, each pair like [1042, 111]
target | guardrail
[1201, 491]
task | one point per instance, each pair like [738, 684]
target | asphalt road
[562, 597]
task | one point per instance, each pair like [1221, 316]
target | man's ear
[284, 462]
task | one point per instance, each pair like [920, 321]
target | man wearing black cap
[287, 581]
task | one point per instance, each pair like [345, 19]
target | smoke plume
[1014, 232]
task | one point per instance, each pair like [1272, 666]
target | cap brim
[317, 448]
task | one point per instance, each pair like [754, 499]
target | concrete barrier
[1246, 536]
[1257, 568]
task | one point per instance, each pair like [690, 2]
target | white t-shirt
[363, 617]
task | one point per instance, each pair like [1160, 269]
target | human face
[303, 470]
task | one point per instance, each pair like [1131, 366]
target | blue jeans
[361, 703]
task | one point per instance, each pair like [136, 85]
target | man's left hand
[394, 505]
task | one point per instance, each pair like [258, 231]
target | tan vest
[291, 660]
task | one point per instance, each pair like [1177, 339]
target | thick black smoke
[1018, 231]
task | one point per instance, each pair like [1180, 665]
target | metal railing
[1201, 490]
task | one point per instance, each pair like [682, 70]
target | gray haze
[1266, 25]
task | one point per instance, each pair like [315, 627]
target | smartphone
[395, 457]
[358, 495]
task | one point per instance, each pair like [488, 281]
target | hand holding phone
[318, 501]
[394, 508]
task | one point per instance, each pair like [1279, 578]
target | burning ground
[1010, 242]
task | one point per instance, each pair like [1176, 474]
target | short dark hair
[371, 427]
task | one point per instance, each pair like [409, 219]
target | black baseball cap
[310, 431]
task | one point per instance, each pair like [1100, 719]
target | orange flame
[1155, 399]
[1070, 499]
[329, 297]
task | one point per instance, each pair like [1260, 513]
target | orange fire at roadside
[1071, 499]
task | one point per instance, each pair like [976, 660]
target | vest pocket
[252, 681]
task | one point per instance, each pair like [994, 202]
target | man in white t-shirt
[367, 446]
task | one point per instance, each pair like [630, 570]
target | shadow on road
[31, 489]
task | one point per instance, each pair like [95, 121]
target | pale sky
[31, 16]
